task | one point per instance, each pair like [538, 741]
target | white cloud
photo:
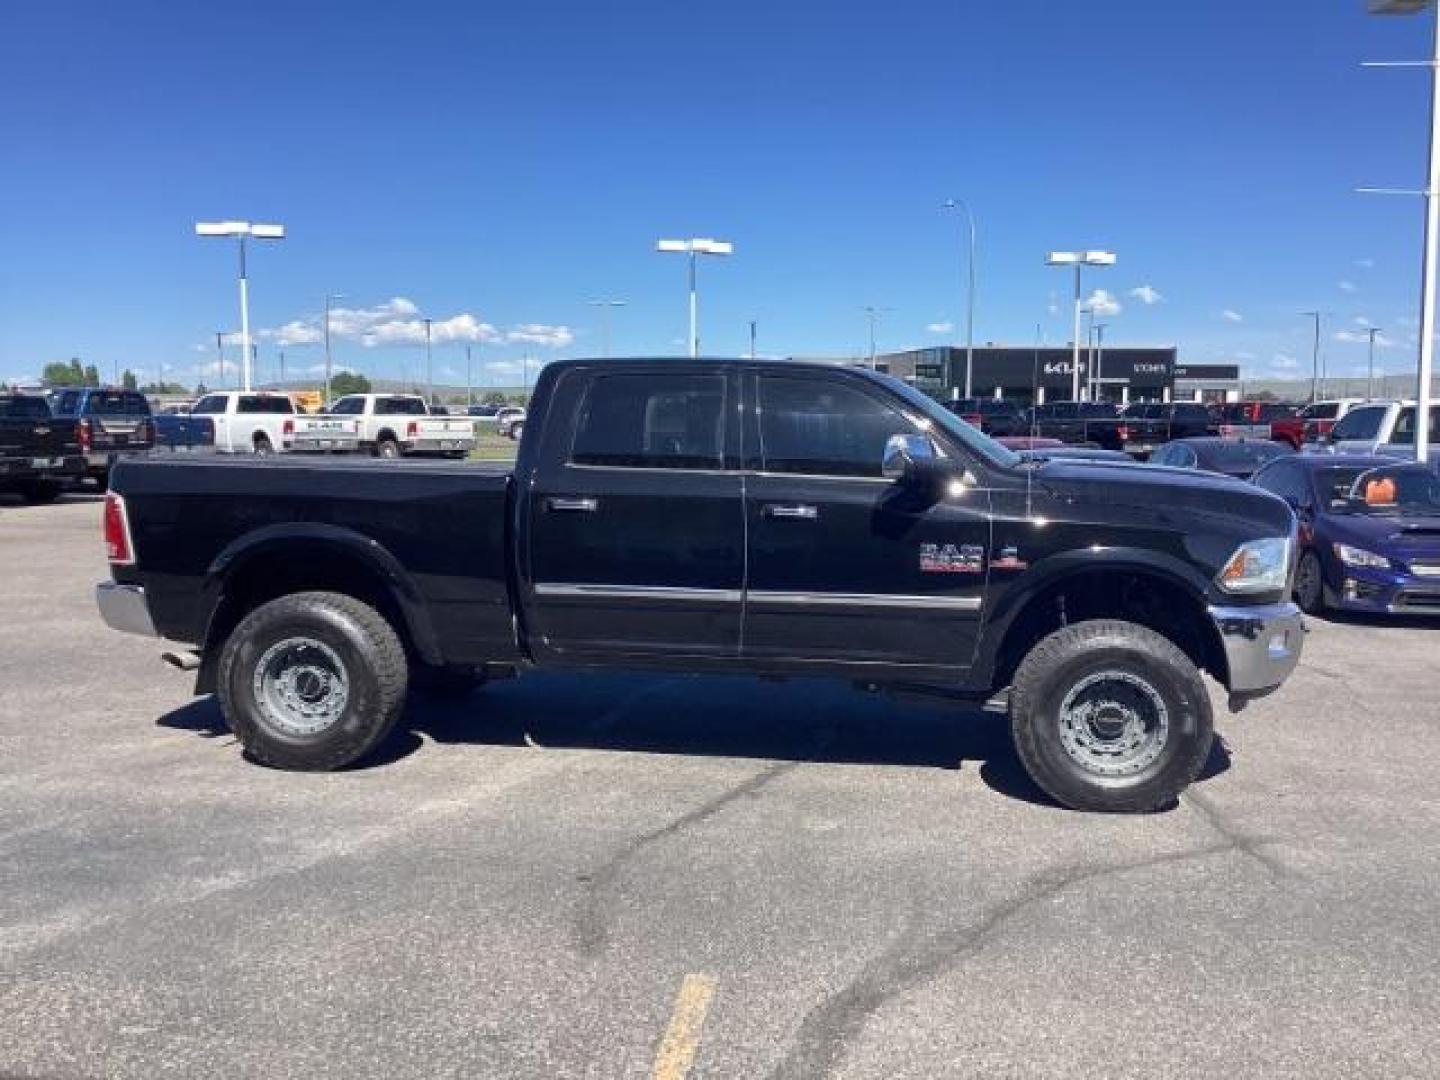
[1231, 315]
[1356, 337]
[397, 321]
[1244, 356]
[1365, 264]
[1363, 320]
[1347, 286]
[939, 327]
[1284, 362]
[1103, 304]
[1147, 295]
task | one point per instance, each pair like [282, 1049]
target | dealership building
[1029, 374]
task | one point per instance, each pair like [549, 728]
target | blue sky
[494, 166]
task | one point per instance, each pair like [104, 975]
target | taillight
[86, 432]
[412, 429]
[1228, 430]
[118, 548]
[1123, 433]
[288, 427]
[146, 431]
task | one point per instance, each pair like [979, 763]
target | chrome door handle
[566, 504]
[792, 511]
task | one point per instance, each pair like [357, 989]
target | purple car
[1369, 532]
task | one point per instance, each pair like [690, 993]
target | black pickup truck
[783, 519]
[39, 453]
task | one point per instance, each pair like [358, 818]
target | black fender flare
[1053, 569]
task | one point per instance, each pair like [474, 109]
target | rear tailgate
[29, 444]
[324, 432]
[441, 433]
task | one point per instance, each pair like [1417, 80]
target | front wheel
[1111, 716]
[312, 681]
[1310, 584]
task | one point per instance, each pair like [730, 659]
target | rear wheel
[1109, 715]
[516, 430]
[1310, 584]
[262, 446]
[312, 681]
[40, 492]
[387, 448]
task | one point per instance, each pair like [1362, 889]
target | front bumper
[1370, 591]
[123, 608]
[1262, 644]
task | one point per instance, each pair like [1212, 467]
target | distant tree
[348, 382]
[59, 374]
[201, 389]
[77, 373]
[494, 397]
[92, 376]
[129, 381]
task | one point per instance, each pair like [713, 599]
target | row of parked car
[1352, 425]
[69, 435]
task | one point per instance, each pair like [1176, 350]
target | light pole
[328, 367]
[429, 369]
[1373, 332]
[1432, 227]
[752, 339]
[873, 313]
[605, 306]
[220, 356]
[1079, 260]
[695, 246]
[242, 230]
[1314, 358]
[469, 380]
[1097, 382]
[961, 204]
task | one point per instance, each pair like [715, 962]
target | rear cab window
[24, 407]
[116, 403]
[652, 421]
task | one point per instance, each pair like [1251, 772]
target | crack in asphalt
[592, 931]
[1250, 846]
[912, 960]
[591, 922]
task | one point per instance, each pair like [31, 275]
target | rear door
[635, 534]
[1359, 430]
[845, 565]
[213, 407]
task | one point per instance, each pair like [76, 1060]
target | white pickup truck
[254, 422]
[396, 424]
[1379, 427]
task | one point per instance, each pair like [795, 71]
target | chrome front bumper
[1262, 644]
[123, 608]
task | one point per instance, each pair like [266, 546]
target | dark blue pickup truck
[112, 425]
[722, 516]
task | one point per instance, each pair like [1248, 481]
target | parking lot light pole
[1079, 260]
[1314, 358]
[1374, 332]
[695, 246]
[328, 366]
[1432, 226]
[605, 306]
[429, 370]
[220, 357]
[243, 231]
[961, 204]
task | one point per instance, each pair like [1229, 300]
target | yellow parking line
[682, 1037]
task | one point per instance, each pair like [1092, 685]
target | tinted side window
[265, 403]
[399, 406]
[652, 422]
[821, 427]
[348, 406]
[214, 405]
[1360, 423]
[1405, 426]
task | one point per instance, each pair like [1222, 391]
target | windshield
[1396, 489]
[952, 425]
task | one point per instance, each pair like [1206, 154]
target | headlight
[1353, 556]
[1258, 566]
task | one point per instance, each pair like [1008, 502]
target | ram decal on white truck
[261, 423]
[396, 424]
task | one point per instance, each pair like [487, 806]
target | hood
[1160, 488]
[1387, 535]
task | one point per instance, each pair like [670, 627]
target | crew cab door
[845, 566]
[215, 406]
[634, 539]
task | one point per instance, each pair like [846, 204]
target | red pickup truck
[1313, 422]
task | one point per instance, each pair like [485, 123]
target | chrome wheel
[301, 686]
[1114, 723]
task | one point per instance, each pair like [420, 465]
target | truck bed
[439, 527]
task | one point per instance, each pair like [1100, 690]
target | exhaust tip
[182, 661]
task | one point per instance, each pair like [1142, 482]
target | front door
[845, 565]
[636, 530]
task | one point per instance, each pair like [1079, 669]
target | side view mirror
[906, 456]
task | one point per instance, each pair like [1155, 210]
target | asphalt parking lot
[585, 876]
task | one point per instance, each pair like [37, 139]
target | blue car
[1369, 532]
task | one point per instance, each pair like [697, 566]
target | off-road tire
[1059, 663]
[387, 448]
[375, 668]
[262, 447]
